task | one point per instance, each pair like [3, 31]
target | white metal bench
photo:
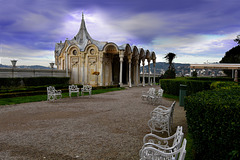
[53, 94]
[146, 94]
[152, 152]
[156, 98]
[86, 88]
[169, 144]
[162, 119]
[73, 89]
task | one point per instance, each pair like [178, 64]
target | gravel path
[105, 126]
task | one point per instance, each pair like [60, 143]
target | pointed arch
[142, 54]
[128, 50]
[153, 57]
[148, 55]
[135, 51]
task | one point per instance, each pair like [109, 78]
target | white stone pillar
[139, 70]
[154, 72]
[101, 71]
[129, 66]
[83, 69]
[136, 80]
[190, 74]
[66, 63]
[120, 73]
[143, 76]
[149, 72]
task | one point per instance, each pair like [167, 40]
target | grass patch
[37, 98]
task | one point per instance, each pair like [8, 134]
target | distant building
[88, 61]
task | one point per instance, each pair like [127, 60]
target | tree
[170, 73]
[237, 40]
[194, 73]
[169, 57]
[232, 56]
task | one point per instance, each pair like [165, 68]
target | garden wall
[25, 72]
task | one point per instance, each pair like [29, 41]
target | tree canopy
[170, 73]
[231, 56]
[169, 57]
[237, 39]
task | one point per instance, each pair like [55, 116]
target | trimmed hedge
[30, 90]
[221, 84]
[213, 121]
[34, 81]
[38, 90]
[211, 78]
[172, 86]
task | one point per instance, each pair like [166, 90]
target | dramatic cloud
[196, 31]
[25, 56]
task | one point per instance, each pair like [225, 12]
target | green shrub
[221, 84]
[194, 73]
[169, 74]
[8, 82]
[210, 78]
[172, 86]
[213, 121]
[38, 81]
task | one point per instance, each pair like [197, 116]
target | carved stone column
[120, 73]
[136, 78]
[154, 73]
[148, 72]
[66, 63]
[82, 68]
[143, 76]
[129, 66]
[101, 71]
[85, 67]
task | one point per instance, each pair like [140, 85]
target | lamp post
[14, 62]
[51, 65]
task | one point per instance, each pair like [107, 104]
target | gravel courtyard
[105, 126]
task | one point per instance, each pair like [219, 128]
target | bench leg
[51, 98]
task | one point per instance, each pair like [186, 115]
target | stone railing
[25, 72]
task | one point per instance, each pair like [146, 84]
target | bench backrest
[73, 87]
[176, 139]
[151, 91]
[160, 92]
[87, 88]
[152, 152]
[172, 108]
[51, 90]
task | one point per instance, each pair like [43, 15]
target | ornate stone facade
[88, 61]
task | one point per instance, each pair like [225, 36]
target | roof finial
[82, 15]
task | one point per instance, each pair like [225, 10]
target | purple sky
[197, 31]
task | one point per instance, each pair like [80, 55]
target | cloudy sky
[197, 31]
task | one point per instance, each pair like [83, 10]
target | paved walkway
[105, 126]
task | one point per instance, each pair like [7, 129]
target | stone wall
[24, 72]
